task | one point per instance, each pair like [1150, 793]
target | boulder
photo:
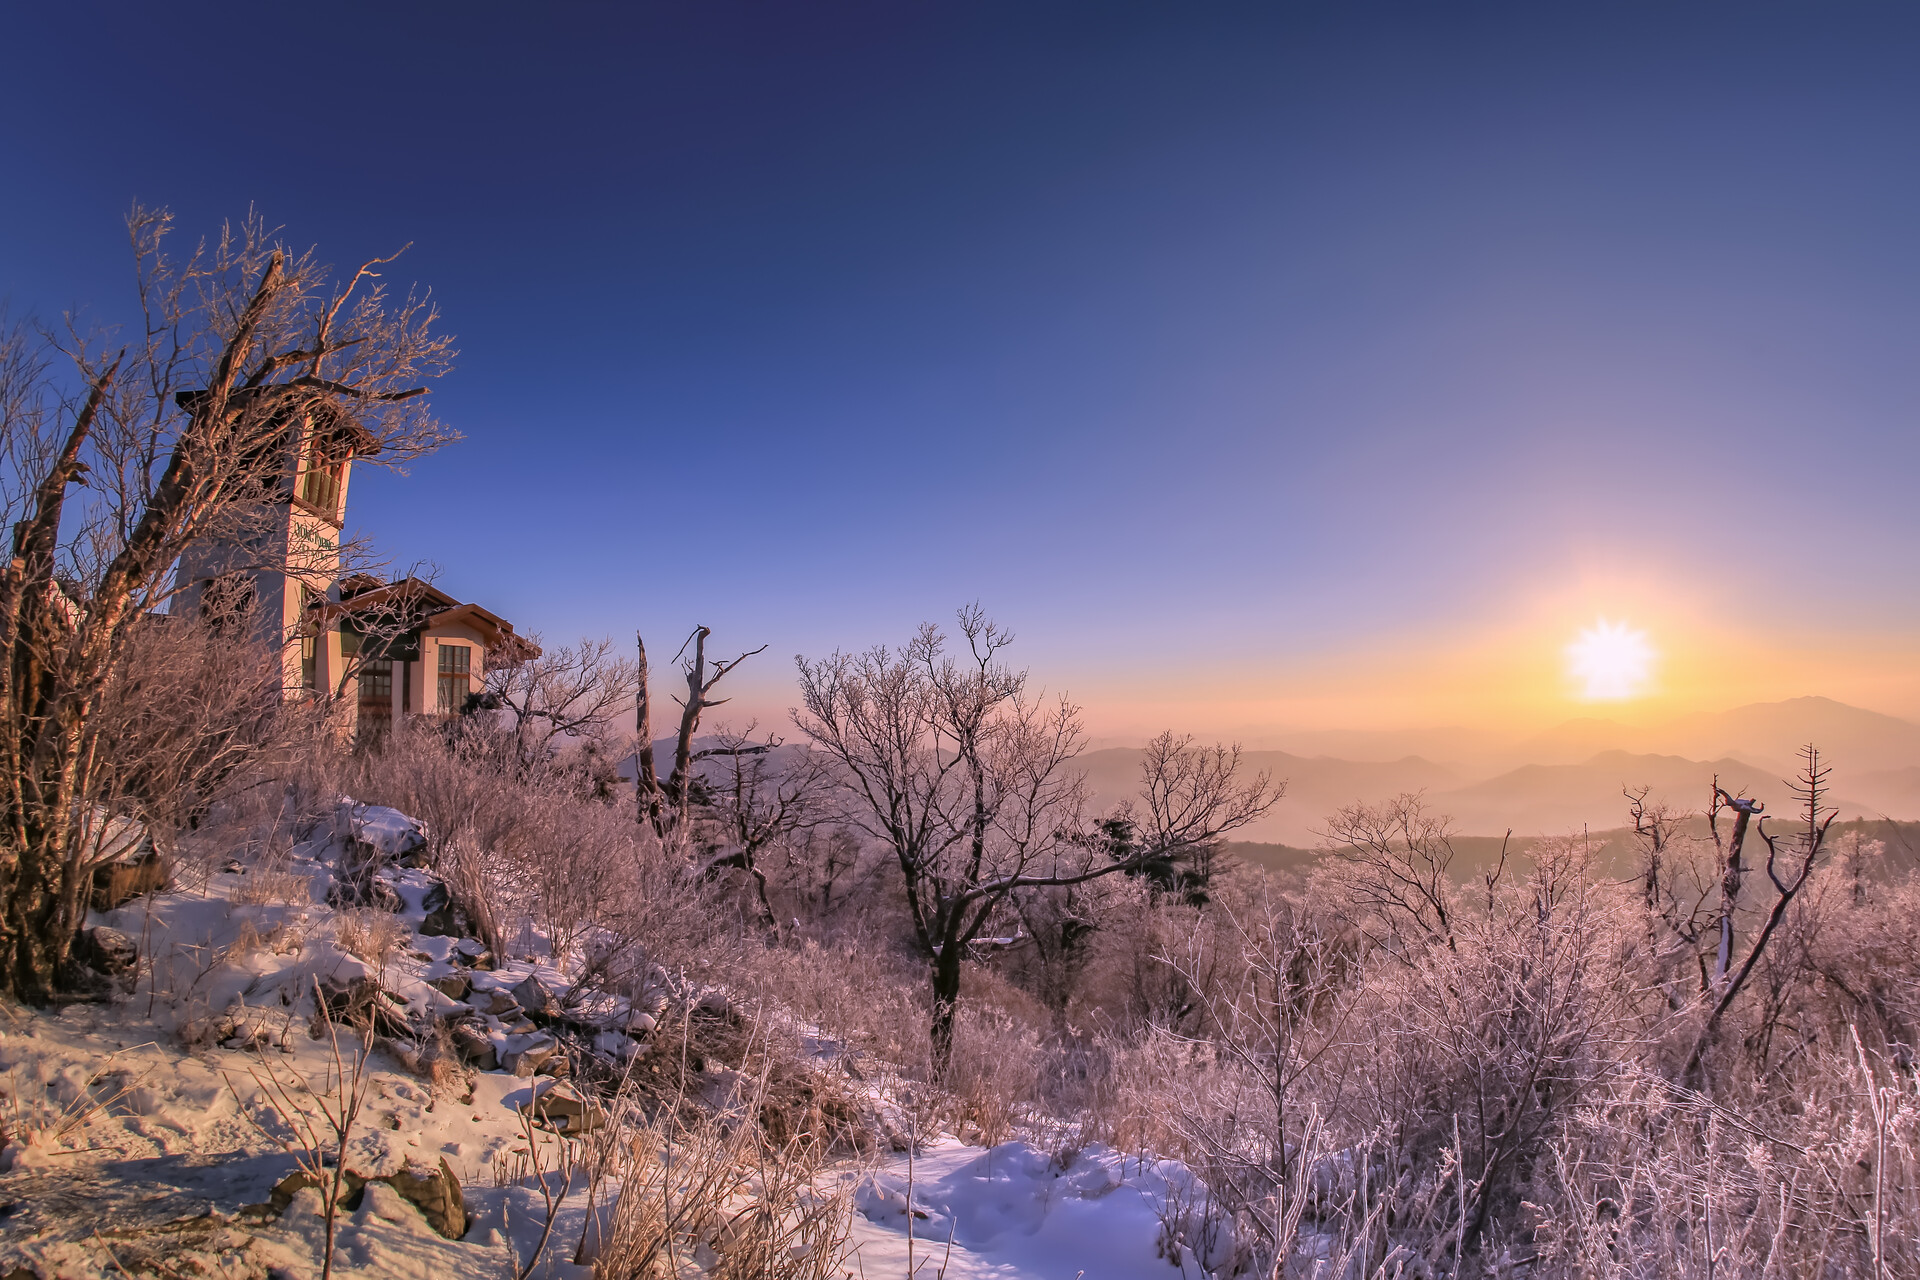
[299, 1180]
[350, 999]
[444, 918]
[388, 833]
[533, 997]
[472, 953]
[436, 898]
[474, 1046]
[522, 1055]
[563, 1110]
[436, 1194]
[454, 986]
[108, 952]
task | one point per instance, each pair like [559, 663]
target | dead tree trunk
[646, 776]
[1732, 871]
[665, 808]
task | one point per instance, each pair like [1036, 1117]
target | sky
[1292, 365]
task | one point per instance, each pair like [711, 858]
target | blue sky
[1260, 365]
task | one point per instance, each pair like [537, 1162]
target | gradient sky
[1289, 364]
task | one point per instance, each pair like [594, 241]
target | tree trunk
[946, 1003]
[646, 777]
[1732, 873]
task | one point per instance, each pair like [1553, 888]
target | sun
[1612, 660]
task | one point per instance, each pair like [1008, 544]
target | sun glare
[1612, 660]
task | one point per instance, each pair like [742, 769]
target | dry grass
[374, 936]
[750, 1206]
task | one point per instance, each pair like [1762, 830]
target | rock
[386, 832]
[563, 1110]
[299, 1180]
[454, 986]
[474, 1046]
[522, 1055]
[613, 1045]
[349, 999]
[472, 953]
[444, 918]
[533, 997]
[108, 952]
[436, 898]
[120, 882]
[349, 890]
[436, 1195]
[447, 921]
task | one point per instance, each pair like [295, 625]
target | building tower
[268, 565]
[272, 570]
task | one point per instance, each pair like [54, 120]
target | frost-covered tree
[118, 452]
[963, 774]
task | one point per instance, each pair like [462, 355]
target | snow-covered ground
[142, 1139]
[1013, 1213]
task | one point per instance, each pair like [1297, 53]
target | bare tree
[963, 774]
[1790, 864]
[1666, 896]
[1732, 870]
[1397, 855]
[245, 349]
[571, 692]
[665, 807]
[757, 799]
[1190, 799]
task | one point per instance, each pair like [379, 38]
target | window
[323, 476]
[456, 676]
[376, 692]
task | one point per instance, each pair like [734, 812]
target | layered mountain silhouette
[1572, 776]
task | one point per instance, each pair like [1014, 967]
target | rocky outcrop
[532, 996]
[435, 1193]
[522, 1055]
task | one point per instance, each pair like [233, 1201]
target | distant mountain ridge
[1770, 733]
[1571, 777]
